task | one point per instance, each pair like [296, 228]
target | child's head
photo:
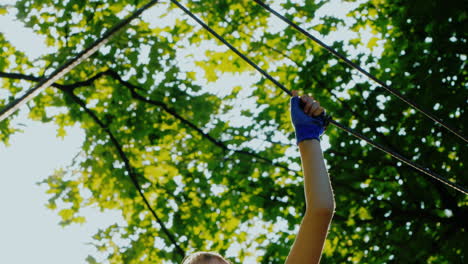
[205, 258]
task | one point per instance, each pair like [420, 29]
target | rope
[354, 133]
[70, 64]
[360, 69]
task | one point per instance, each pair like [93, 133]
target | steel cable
[70, 64]
[354, 133]
[360, 69]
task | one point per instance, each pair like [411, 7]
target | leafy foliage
[159, 89]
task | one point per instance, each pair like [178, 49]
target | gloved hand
[308, 117]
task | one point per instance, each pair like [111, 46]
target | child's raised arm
[309, 124]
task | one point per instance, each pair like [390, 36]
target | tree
[154, 117]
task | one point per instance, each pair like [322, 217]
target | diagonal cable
[354, 133]
[70, 64]
[366, 73]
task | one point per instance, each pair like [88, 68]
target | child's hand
[308, 117]
[310, 105]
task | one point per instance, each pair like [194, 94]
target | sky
[29, 232]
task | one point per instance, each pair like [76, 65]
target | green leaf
[372, 43]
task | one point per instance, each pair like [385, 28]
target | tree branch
[128, 167]
[63, 87]
[162, 105]
[133, 89]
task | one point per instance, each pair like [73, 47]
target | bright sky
[29, 232]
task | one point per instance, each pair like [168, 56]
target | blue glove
[306, 127]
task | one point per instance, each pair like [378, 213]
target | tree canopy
[166, 107]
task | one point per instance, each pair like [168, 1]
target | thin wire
[70, 64]
[402, 158]
[360, 69]
[354, 133]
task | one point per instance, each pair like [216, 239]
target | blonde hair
[194, 258]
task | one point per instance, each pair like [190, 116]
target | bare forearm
[309, 123]
[317, 186]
